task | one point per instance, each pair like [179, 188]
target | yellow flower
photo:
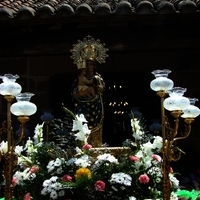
[83, 172]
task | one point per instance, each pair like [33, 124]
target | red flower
[144, 179]
[66, 178]
[87, 146]
[99, 186]
[27, 196]
[14, 181]
[34, 169]
[156, 157]
[134, 158]
[171, 170]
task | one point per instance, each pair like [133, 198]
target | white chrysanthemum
[83, 161]
[21, 176]
[61, 193]
[59, 170]
[58, 162]
[121, 178]
[53, 194]
[44, 191]
[107, 157]
[32, 176]
[53, 179]
[57, 186]
[155, 171]
[50, 166]
[46, 183]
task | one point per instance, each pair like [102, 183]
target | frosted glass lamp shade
[23, 106]
[161, 82]
[191, 111]
[9, 85]
[176, 101]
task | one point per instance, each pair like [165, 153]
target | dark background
[40, 54]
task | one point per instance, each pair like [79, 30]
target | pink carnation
[144, 178]
[99, 186]
[171, 170]
[34, 169]
[134, 158]
[156, 157]
[27, 196]
[14, 181]
[87, 146]
[66, 178]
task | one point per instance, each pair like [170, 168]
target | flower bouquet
[47, 171]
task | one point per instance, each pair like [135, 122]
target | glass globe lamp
[161, 81]
[176, 100]
[155, 127]
[23, 106]
[191, 111]
[47, 116]
[9, 85]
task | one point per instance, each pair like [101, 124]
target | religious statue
[88, 88]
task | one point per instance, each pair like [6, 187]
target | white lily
[18, 150]
[38, 137]
[4, 147]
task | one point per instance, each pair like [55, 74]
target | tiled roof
[45, 9]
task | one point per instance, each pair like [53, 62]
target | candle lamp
[178, 106]
[23, 108]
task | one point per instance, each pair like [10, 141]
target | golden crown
[89, 49]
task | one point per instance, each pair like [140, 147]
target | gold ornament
[88, 49]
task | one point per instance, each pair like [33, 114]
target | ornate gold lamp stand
[23, 109]
[179, 106]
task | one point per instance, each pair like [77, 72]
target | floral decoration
[47, 171]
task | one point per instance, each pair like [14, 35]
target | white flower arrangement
[133, 175]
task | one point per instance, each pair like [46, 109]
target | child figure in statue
[85, 86]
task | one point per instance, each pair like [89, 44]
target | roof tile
[27, 9]
[124, 7]
[165, 7]
[187, 6]
[84, 10]
[102, 9]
